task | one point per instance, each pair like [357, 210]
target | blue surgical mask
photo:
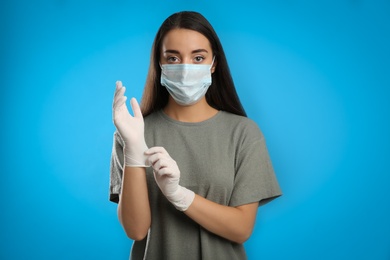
[186, 83]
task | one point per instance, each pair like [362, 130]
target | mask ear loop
[212, 63]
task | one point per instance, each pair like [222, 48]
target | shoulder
[243, 126]
[151, 117]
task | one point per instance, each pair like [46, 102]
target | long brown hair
[221, 94]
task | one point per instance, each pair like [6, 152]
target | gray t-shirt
[223, 159]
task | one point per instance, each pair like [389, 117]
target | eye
[199, 59]
[172, 59]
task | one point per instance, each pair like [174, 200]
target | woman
[210, 168]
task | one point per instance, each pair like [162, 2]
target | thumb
[135, 107]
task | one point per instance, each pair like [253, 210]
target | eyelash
[173, 59]
[202, 58]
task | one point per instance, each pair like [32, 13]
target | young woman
[189, 169]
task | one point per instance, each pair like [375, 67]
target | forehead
[184, 40]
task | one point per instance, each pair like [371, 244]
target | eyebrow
[194, 51]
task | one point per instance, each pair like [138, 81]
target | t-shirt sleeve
[255, 179]
[116, 168]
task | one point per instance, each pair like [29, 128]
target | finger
[157, 149]
[154, 158]
[119, 98]
[118, 84]
[165, 172]
[119, 92]
[160, 164]
[164, 163]
[119, 102]
[135, 107]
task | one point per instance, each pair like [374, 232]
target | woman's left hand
[167, 176]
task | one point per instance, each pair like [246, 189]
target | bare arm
[133, 207]
[233, 223]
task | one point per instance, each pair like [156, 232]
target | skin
[233, 223]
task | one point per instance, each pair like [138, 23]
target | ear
[213, 67]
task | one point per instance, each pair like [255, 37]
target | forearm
[133, 207]
[233, 223]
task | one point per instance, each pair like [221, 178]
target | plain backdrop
[314, 75]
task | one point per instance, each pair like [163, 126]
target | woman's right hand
[167, 176]
[131, 128]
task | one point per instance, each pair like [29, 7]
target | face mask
[187, 83]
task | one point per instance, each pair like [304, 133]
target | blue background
[313, 74]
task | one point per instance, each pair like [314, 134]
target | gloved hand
[167, 175]
[131, 128]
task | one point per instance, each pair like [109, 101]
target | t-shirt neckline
[174, 121]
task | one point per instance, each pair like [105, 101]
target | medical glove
[130, 128]
[167, 175]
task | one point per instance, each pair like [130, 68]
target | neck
[198, 112]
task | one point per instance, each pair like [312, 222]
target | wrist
[182, 199]
[134, 155]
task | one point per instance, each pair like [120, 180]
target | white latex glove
[131, 128]
[167, 175]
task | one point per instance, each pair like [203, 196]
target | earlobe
[213, 69]
[213, 65]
